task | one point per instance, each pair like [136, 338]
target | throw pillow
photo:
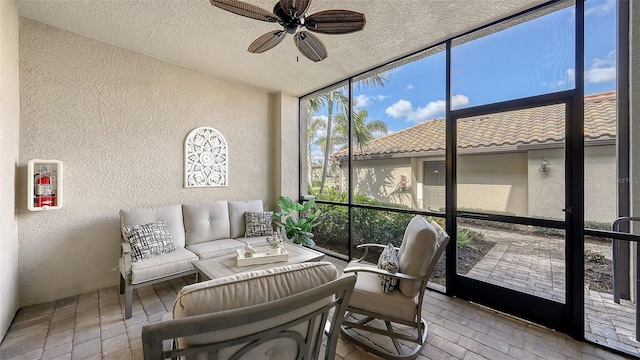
[258, 223]
[388, 260]
[148, 240]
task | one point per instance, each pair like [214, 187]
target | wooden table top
[225, 265]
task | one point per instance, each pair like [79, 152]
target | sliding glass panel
[526, 56]
[524, 258]
[321, 115]
[398, 122]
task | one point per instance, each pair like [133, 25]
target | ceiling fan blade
[267, 41]
[295, 8]
[310, 46]
[244, 9]
[335, 22]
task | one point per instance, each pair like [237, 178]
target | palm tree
[314, 124]
[363, 131]
[339, 98]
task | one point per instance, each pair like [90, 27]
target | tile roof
[536, 125]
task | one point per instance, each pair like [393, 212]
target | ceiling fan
[292, 15]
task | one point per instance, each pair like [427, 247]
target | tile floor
[91, 326]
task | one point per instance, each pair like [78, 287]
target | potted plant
[298, 220]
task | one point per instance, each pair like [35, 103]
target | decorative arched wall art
[206, 158]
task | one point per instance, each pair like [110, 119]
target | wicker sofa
[198, 231]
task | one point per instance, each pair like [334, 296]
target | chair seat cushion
[209, 249]
[368, 295]
[161, 266]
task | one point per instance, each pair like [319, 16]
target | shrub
[594, 256]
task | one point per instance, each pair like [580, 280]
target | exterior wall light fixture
[544, 166]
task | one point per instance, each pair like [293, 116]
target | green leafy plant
[299, 220]
[594, 256]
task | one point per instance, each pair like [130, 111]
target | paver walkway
[535, 264]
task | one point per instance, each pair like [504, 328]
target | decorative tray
[263, 255]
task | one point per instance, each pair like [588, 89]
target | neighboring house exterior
[501, 158]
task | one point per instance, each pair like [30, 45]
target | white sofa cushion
[206, 221]
[209, 249]
[419, 244]
[236, 215]
[161, 266]
[144, 215]
[247, 289]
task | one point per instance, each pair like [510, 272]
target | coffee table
[225, 265]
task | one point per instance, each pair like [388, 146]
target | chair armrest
[355, 267]
[125, 253]
[126, 247]
[366, 248]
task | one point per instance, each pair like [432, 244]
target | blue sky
[532, 58]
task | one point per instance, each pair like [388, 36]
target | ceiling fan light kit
[292, 15]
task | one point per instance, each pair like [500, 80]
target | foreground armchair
[374, 311]
[280, 313]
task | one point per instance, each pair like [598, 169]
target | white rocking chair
[422, 245]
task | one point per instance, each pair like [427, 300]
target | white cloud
[601, 71]
[404, 109]
[459, 100]
[400, 109]
[362, 100]
[601, 75]
[601, 8]
[382, 97]
[409, 87]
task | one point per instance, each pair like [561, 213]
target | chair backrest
[420, 250]
[272, 314]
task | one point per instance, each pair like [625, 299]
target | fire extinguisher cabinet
[44, 184]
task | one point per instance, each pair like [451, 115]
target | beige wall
[286, 140]
[118, 119]
[600, 184]
[9, 132]
[493, 182]
[546, 190]
[380, 179]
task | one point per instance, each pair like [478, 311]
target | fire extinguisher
[44, 189]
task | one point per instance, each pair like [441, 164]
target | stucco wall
[9, 132]
[380, 179]
[600, 184]
[546, 190]
[493, 182]
[118, 119]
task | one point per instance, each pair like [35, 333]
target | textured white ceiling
[194, 34]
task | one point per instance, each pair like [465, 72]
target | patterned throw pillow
[258, 223]
[148, 240]
[388, 260]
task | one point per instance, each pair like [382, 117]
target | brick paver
[457, 330]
